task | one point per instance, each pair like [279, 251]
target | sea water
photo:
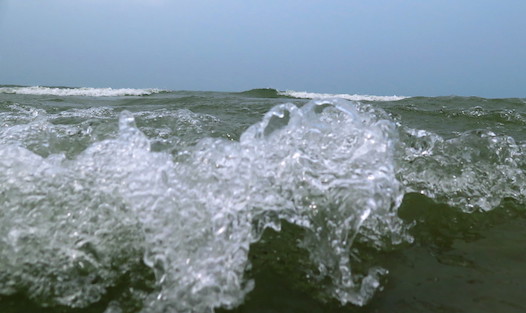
[148, 200]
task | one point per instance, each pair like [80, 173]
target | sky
[376, 47]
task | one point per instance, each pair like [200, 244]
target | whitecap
[84, 91]
[352, 97]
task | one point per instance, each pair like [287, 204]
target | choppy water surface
[130, 200]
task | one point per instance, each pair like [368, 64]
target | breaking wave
[84, 91]
[355, 97]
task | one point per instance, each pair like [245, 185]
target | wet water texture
[128, 200]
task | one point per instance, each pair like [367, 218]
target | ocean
[159, 201]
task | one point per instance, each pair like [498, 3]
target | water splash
[327, 167]
[64, 240]
[475, 170]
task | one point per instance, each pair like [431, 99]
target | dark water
[260, 201]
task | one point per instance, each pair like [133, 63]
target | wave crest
[355, 97]
[84, 91]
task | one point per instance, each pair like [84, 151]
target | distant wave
[262, 93]
[84, 91]
[355, 97]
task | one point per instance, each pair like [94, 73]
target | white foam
[84, 91]
[355, 97]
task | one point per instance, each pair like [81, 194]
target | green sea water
[144, 200]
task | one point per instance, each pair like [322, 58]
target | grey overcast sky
[380, 47]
